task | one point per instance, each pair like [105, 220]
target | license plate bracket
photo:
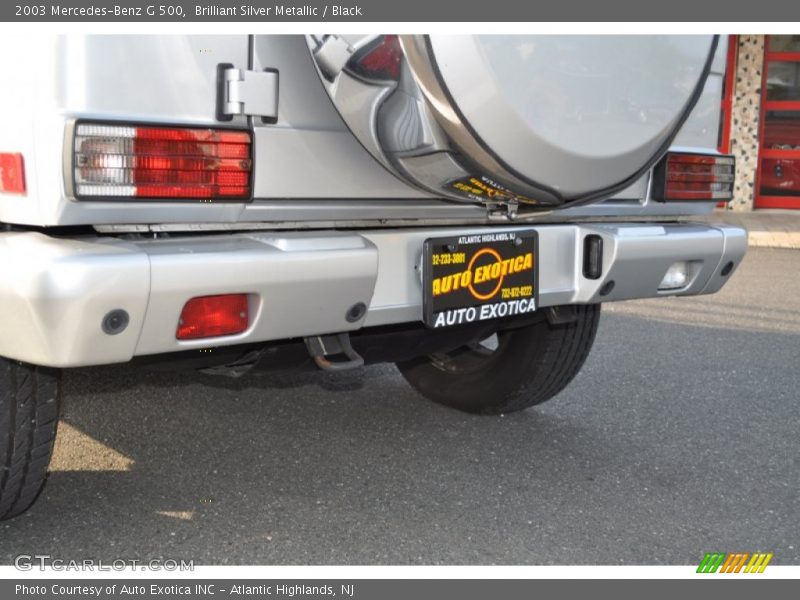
[477, 277]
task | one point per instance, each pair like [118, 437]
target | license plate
[472, 278]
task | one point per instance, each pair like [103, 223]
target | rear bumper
[54, 292]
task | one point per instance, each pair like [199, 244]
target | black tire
[29, 406]
[528, 366]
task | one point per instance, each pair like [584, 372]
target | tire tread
[539, 361]
[29, 407]
[566, 353]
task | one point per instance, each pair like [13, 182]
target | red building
[761, 120]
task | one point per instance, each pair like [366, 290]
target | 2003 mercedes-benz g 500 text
[458, 205]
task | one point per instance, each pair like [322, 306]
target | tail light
[213, 316]
[12, 173]
[379, 60]
[681, 176]
[161, 162]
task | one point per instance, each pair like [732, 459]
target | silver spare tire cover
[534, 119]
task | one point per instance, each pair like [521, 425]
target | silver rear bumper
[54, 292]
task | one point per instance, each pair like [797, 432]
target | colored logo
[735, 562]
[487, 274]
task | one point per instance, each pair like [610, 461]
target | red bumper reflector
[681, 176]
[12, 173]
[213, 316]
[161, 162]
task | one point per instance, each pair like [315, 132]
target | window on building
[784, 43]
[783, 80]
[779, 156]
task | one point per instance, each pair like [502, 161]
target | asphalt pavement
[680, 436]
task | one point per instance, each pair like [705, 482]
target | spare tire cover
[535, 118]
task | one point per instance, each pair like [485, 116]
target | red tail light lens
[694, 177]
[12, 173]
[379, 60]
[213, 316]
[161, 162]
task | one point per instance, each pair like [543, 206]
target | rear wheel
[29, 404]
[510, 371]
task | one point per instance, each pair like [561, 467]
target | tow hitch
[322, 347]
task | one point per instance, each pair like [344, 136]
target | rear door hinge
[244, 92]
